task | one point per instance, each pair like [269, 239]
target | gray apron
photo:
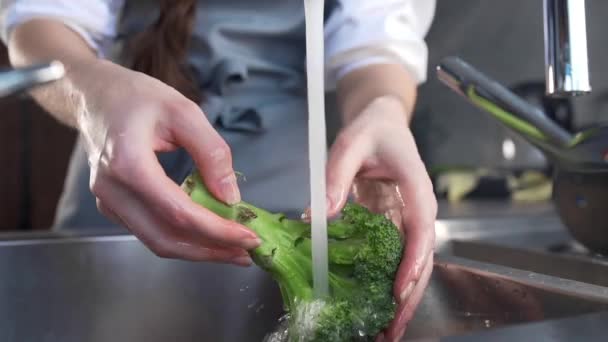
[249, 58]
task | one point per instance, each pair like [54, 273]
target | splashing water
[281, 332]
[298, 326]
[304, 320]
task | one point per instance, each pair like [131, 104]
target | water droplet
[361, 333]
[467, 314]
[487, 323]
[253, 304]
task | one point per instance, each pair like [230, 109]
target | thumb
[345, 160]
[210, 152]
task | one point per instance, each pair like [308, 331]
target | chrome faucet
[566, 62]
[13, 81]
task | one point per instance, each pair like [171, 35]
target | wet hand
[375, 156]
[128, 117]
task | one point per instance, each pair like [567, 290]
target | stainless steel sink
[468, 296]
[112, 288]
[497, 277]
[538, 244]
[536, 250]
[588, 269]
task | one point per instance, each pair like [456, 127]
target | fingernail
[230, 190]
[330, 203]
[252, 243]
[407, 292]
[243, 260]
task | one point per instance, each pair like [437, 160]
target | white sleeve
[94, 20]
[364, 32]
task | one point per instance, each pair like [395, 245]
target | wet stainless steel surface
[575, 265]
[590, 327]
[467, 296]
[112, 288]
[538, 243]
[497, 277]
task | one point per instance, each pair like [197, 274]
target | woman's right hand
[126, 118]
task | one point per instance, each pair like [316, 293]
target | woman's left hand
[375, 156]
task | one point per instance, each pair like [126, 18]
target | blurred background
[503, 39]
[34, 154]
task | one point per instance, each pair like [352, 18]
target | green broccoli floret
[364, 252]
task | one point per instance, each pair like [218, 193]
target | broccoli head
[364, 252]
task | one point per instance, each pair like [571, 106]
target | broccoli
[364, 252]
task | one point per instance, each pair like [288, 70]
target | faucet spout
[566, 61]
[14, 81]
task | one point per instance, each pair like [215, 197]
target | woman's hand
[375, 155]
[126, 118]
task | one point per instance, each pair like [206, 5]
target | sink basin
[538, 244]
[467, 296]
[112, 288]
[588, 269]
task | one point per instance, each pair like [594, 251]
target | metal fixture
[16, 80]
[566, 62]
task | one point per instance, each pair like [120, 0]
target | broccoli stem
[281, 253]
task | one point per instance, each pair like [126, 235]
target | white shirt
[358, 33]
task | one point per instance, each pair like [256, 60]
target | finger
[210, 152]
[157, 234]
[175, 206]
[345, 160]
[406, 310]
[210, 251]
[141, 173]
[418, 248]
[105, 211]
[193, 252]
[418, 214]
[201, 249]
